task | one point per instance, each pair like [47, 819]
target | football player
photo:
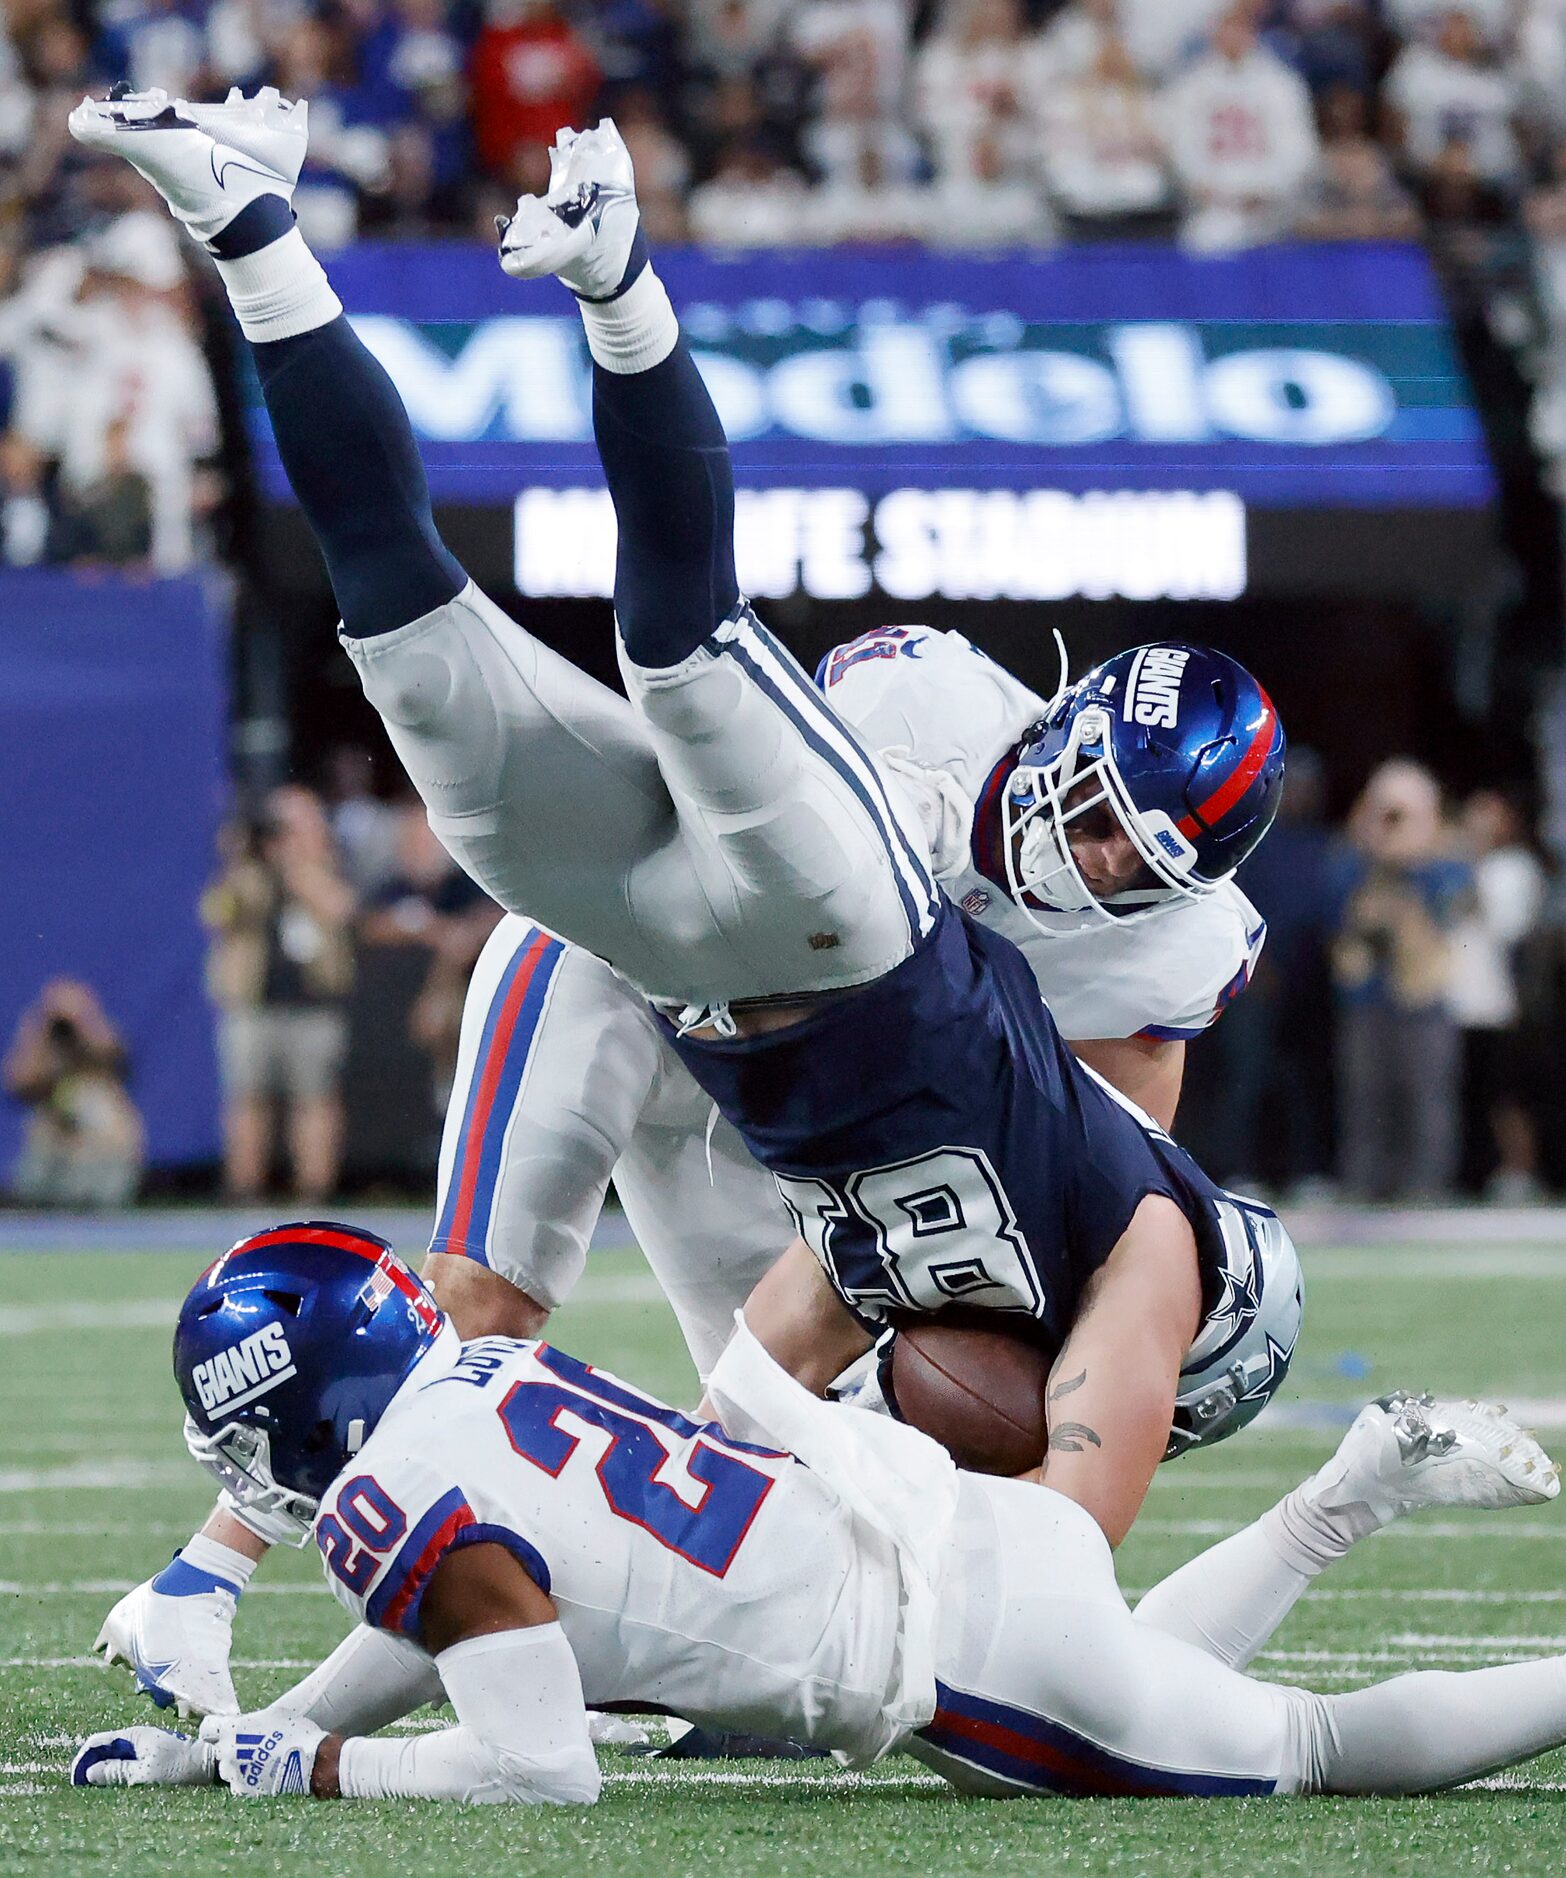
[727, 843]
[525, 1534]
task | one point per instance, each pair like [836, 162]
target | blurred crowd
[962, 124]
[1399, 1041]
[313, 892]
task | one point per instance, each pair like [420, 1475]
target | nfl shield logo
[975, 902]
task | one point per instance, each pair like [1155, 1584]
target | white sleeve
[521, 1734]
[370, 1680]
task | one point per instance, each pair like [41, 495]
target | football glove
[143, 1757]
[263, 1755]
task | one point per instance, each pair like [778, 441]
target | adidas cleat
[1405, 1453]
[207, 161]
[177, 1648]
[585, 229]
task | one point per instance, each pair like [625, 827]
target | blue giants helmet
[1182, 746]
[288, 1351]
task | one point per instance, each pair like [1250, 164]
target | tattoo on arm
[1066, 1388]
[1072, 1438]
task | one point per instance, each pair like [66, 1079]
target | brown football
[980, 1393]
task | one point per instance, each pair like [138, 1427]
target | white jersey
[692, 1572]
[953, 709]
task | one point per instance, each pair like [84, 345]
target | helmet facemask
[239, 1456]
[1038, 807]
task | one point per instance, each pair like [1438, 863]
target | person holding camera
[1401, 891]
[279, 971]
[84, 1142]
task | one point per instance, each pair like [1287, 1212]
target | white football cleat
[1405, 1453]
[584, 229]
[207, 161]
[177, 1648]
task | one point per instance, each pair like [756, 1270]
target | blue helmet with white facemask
[288, 1351]
[1185, 750]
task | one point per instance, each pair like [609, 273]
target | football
[979, 1392]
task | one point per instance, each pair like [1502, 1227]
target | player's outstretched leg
[1403, 1454]
[538, 780]
[812, 864]
[1047, 1683]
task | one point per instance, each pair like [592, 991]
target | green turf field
[95, 1491]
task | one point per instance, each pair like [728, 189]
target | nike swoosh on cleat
[220, 170]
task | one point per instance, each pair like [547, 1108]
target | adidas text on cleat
[208, 161]
[177, 1648]
[1405, 1453]
[585, 229]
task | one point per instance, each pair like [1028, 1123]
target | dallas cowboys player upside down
[722, 839]
[725, 841]
[527, 1534]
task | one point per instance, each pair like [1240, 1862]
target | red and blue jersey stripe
[510, 1028]
[1031, 1751]
[449, 1525]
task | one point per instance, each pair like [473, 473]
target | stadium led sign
[918, 544]
[1286, 379]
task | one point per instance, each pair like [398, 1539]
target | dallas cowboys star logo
[1262, 1386]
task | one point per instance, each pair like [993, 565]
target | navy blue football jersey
[939, 1144]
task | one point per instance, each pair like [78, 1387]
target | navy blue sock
[666, 461]
[350, 454]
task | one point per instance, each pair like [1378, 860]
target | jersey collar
[987, 844]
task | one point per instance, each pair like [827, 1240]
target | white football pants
[563, 1082]
[721, 836]
[1045, 1682]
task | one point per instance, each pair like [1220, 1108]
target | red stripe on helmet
[357, 1243]
[360, 1245]
[1249, 768]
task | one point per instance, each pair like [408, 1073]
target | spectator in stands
[1355, 195]
[84, 1143]
[1102, 150]
[281, 964]
[1336, 43]
[97, 326]
[1273, 1104]
[24, 508]
[1450, 105]
[531, 71]
[430, 902]
[1500, 1150]
[364, 827]
[350, 150]
[663, 166]
[1423, 19]
[990, 207]
[978, 78]
[1401, 892]
[1242, 139]
[856, 139]
[752, 201]
[1163, 34]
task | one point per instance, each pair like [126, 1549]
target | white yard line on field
[1411, 1529]
[30, 1320]
[113, 1587]
[96, 1662]
[91, 1475]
